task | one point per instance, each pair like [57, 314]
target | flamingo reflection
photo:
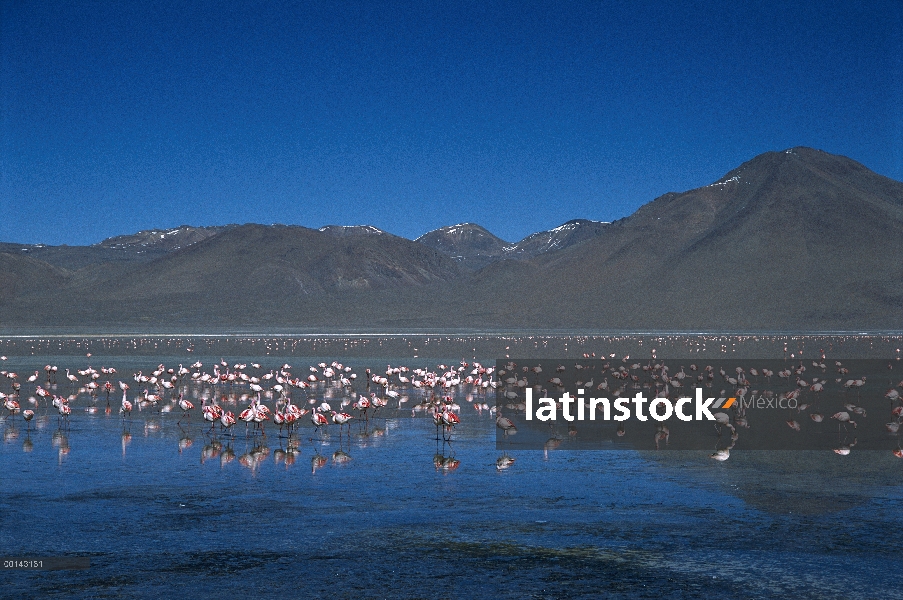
[504, 462]
[445, 464]
[126, 439]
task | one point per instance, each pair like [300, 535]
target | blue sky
[116, 117]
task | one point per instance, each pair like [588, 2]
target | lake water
[163, 508]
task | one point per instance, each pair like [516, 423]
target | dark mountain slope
[469, 244]
[794, 239]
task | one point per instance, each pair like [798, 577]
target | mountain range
[796, 240]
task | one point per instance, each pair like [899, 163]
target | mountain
[564, 236]
[788, 240]
[141, 247]
[22, 277]
[346, 230]
[253, 273]
[293, 260]
[474, 247]
[165, 240]
[792, 240]
[471, 245]
[73, 258]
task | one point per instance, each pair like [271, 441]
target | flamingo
[211, 413]
[378, 403]
[723, 419]
[506, 425]
[11, 405]
[150, 398]
[108, 387]
[185, 406]
[227, 420]
[63, 408]
[292, 413]
[261, 414]
[318, 419]
[289, 418]
[449, 419]
[362, 405]
[843, 417]
[293, 409]
[126, 407]
[855, 409]
[437, 421]
[279, 419]
[28, 415]
[340, 419]
[247, 415]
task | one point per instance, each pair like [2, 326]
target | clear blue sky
[121, 116]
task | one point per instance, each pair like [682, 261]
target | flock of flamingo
[166, 389]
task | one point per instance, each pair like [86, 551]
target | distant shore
[468, 345]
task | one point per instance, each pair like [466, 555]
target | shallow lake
[388, 510]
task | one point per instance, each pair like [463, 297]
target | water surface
[390, 511]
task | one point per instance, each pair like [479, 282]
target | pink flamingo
[289, 418]
[184, 406]
[340, 419]
[506, 425]
[279, 419]
[11, 405]
[151, 398]
[211, 414]
[62, 408]
[227, 420]
[843, 417]
[437, 421]
[318, 419]
[247, 415]
[126, 407]
[261, 414]
[449, 419]
[362, 405]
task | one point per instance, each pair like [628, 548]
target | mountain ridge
[793, 240]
